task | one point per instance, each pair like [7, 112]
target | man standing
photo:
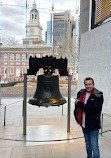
[88, 107]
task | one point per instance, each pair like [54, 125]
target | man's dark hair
[89, 78]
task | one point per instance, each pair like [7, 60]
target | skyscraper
[63, 25]
[62, 29]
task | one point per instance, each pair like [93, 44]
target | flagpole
[52, 36]
[26, 37]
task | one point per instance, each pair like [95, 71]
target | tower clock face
[31, 31]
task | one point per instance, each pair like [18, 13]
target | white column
[90, 14]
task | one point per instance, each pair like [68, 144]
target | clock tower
[34, 29]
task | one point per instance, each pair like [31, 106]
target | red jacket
[92, 109]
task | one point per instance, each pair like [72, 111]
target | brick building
[14, 59]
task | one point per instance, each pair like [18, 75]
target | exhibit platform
[46, 132]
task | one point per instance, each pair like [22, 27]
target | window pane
[11, 57]
[18, 71]
[103, 10]
[12, 70]
[38, 55]
[17, 57]
[23, 57]
[5, 57]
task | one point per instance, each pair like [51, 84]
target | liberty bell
[47, 92]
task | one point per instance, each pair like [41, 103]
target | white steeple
[34, 28]
[34, 14]
[34, 5]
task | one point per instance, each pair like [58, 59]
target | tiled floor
[44, 127]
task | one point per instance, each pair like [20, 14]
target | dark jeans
[91, 140]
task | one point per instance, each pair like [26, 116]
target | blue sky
[13, 18]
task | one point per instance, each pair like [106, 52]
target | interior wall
[95, 61]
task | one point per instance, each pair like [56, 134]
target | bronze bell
[47, 92]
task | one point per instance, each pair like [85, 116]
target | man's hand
[76, 100]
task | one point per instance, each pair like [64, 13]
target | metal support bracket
[69, 103]
[25, 105]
